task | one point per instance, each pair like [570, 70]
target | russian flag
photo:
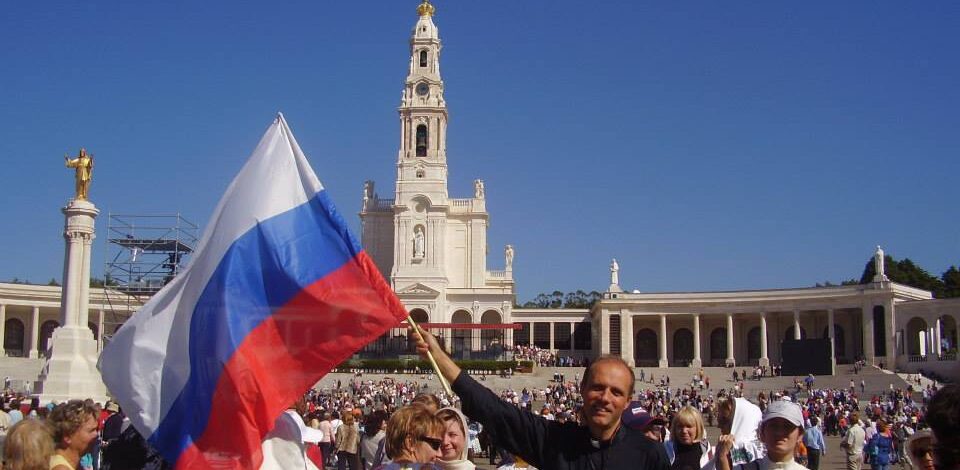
[277, 293]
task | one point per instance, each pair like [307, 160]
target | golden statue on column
[84, 172]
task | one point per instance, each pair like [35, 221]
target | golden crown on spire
[425, 9]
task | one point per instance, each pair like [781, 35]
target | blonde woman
[688, 447]
[29, 446]
[414, 438]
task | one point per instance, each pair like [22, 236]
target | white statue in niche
[478, 191]
[508, 252]
[418, 242]
[614, 273]
[367, 190]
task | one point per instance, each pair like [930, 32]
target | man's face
[606, 395]
[780, 437]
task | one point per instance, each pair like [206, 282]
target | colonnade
[31, 323]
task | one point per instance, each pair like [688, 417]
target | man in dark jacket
[601, 443]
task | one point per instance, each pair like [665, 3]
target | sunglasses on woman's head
[433, 442]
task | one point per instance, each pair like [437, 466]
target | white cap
[784, 409]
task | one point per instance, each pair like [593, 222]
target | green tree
[951, 282]
[557, 299]
[904, 271]
[53, 282]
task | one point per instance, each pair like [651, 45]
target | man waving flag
[278, 293]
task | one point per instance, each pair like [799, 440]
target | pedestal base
[730, 362]
[696, 363]
[663, 363]
[71, 371]
[765, 362]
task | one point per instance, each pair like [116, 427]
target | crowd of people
[545, 357]
[590, 422]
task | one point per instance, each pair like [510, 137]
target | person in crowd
[348, 444]
[738, 445]
[688, 447]
[943, 416]
[285, 446]
[880, 447]
[454, 455]
[29, 446]
[852, 443]
[74, 426]
[414, 436]
[813, 440]
[780, 432]
[636, 417]
[371, 444]
[601, 442]
[919, 450]
[427, 400]
[326, 441]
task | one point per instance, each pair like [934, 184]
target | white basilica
[433, 248]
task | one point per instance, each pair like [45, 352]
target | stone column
[867, 325]
[553, 346]
[604, 333]
[626, 339]
[100, 332]
[764, 353]
[730, 360]
[34, 333]
[936, 337]
[697, 359]
[71, 370]
[796, 323]
[833, 342]
[664, 362]
[3, 330]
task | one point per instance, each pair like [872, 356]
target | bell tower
[422, 159]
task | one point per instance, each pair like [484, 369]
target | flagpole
[433, 362]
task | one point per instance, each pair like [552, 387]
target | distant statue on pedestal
[508, 253]
[614, 275]
[367, 190]
[878, 266]
[478, 191]
[418, 242]
[84, 173]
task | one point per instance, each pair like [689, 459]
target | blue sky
[706, 145]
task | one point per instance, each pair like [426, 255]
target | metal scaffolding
[145, 252]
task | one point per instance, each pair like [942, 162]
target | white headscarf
[462, 463]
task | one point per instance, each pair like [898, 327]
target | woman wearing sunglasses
[413, 439]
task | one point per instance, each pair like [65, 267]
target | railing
[377, 205]
[916, 358]
[497, 275]
[461, 202]
[948, 356]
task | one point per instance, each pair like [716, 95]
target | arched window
[645, 347]
[422, 140]
[13, 337]
[461, 337]
[491, 339]
[718, 345]
[46, 331]
[423, 58]
[683, 347]
[753, 343]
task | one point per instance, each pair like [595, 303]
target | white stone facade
[433, 248]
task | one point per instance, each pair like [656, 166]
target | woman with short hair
[414, 436]
[454, 450]
[74, 425]
[688, 447]
[29, 446]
